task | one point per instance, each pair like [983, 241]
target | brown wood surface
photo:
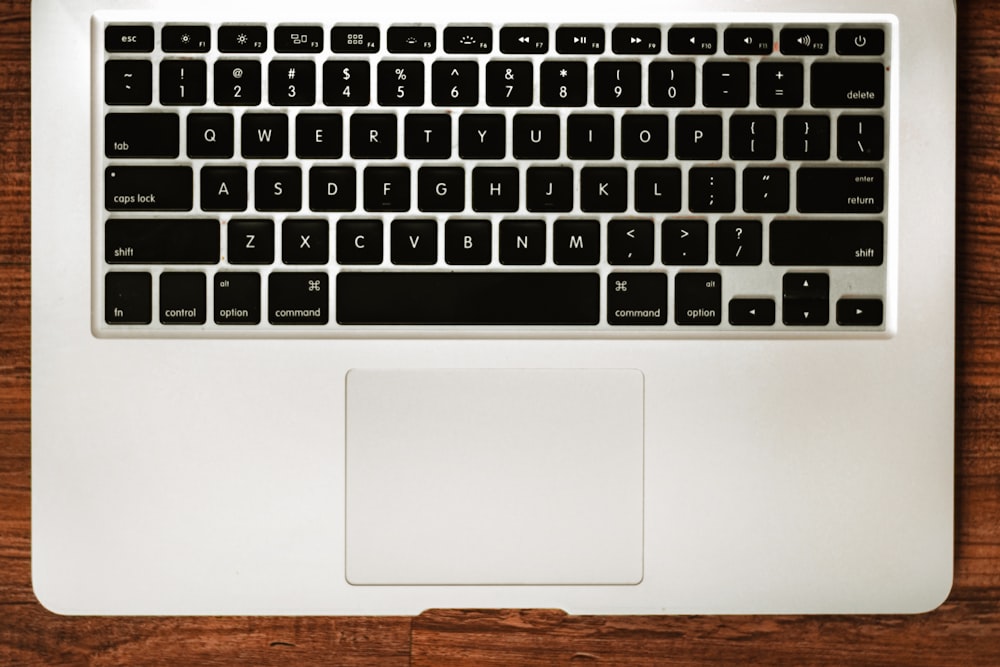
[964, 631]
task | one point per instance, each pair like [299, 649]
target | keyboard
[282, 179]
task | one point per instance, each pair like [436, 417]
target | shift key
[148, 188]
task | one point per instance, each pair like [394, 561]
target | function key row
[477, 39]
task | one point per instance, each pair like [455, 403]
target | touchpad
[494, 476]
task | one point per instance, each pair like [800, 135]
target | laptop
[643, 309]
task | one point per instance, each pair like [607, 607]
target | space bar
[468, 298]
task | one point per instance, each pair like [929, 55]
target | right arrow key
[860, 312]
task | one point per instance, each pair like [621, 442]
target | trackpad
[494, 476]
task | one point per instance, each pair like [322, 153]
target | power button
[860, 41]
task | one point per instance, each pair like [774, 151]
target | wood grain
[964, 631]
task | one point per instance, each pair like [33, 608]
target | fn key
[128, 297]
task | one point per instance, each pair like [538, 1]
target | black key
[738, 242]
[751, 312]
[523, 40]
[183, 82]
[134, 135]
[128, 38]
[765, 190]
[498, 298]
[725, 84]
[805, 286]
[806, 137]
[509, 83]
[860, 312]
[712, 190]
[603, 189]
[536, 136]
[549, 189]
[223, 188]
[319, 135]
[148, 188]
[264, 135]
[563, 83]
[805, 299]
[278, 188]
[860, 42]
[482, 136]
[468, 39]
[860, 137]
[644, 137]
[804, 41]
[346, 83]
[359, 241]
[805, 312]
[210, 135]
[427, 136]
[748, 41]
[250, 241]
[698, 298]
[237, 82]
[411, 39]
[128, 82]
[186, 38]
[373, 135]
[332, 188]
[291, 83]
[387, 189]
[692, 41]
[826, 242]
[629, 40]
[836, 190]
[128, 298]
[617, 84]
[305, 241]
[590, 137]
[298, 39]
[671, 84]
[161, 241]
[455, 83]
[657, 189]
[400, 82]
[298, 298]
[637, 298]
[413, 241]
[468, 242]
[441, 189]
[779, 84]
[630, 242]
[579, 40]
[576, 242]
[243, 39]
[495, 189]
[522, 242]
[685, 242]
[752, 137]
[182, 298]
[847, 85]
[354, 39]
[699, 137]
[237, 298]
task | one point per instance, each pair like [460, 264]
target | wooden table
[964, 631]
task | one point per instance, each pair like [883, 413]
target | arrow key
[860, 312]
[751, 312]
[806, 286]
[806, 312]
